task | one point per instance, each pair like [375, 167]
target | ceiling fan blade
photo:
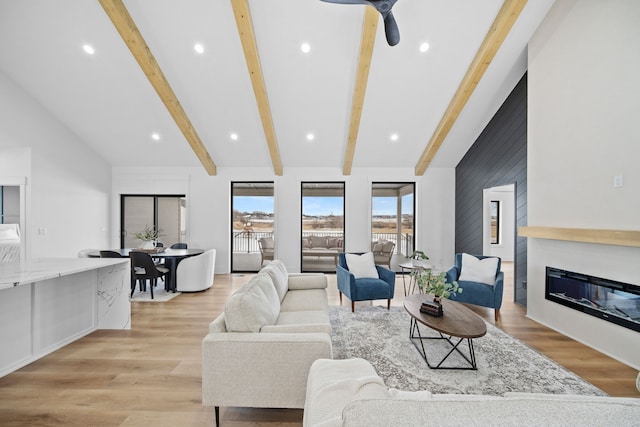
[384, 8]
[391, 29]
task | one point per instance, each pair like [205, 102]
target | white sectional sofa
[349, 393]
[259, 350]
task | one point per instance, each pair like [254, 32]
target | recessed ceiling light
[310, 137]
[88, 49]
[424, 47]
[394, 137]
[233, 136]
[305, 47]
[155, 136]
[198, 48]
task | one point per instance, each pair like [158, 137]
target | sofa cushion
[253, 306]
[302, 317]
[266, 242]
[305, 243]
[301, 321]
[318, 241]
[299, 281]
[334, 383]
[305, 300]
[334, 242]
[278, 273]
[362, 266]
[488, 410]
[478, 270]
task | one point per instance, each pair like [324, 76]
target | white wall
[68, 184]
[209, 206]
[584, 99]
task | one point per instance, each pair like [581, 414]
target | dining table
[171, 258]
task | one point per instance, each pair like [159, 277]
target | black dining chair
[179, 246]
[110, 254]
[145, 269]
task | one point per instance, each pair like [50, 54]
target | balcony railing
[406, 242]
[247, 241]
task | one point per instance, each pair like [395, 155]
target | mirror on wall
[498, 230]
[11, 232]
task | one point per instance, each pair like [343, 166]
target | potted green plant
[148, 235]
[419, 259]
[436, 284]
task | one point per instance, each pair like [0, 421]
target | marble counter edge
[36, 270]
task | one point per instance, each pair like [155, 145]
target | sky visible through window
[388, 205]
[253, 204]
[322, 206]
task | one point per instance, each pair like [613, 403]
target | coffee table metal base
[417, 339]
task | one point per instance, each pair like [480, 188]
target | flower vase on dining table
[148, 244]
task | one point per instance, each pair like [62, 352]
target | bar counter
[46, 304]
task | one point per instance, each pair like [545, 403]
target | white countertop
[35, 270]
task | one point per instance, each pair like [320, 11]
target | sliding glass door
[392, 218]
[322, 225]
[252, 238]
[166, 213]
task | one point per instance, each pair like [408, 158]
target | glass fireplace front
[613, 301]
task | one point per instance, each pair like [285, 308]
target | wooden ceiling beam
[250, 47]
[132, 37]
[506, 17]
[367, 42]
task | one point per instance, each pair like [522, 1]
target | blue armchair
[478, 293]
[364, 289]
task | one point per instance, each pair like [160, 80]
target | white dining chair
[196, 273]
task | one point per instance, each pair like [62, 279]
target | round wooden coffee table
[456, 325]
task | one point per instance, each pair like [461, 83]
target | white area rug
[504, 363]
[159, 295]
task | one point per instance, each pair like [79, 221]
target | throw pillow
[318, 241]
[266, 242]
[254, 305]
[478, 270]
[362, 266]
[279, 275]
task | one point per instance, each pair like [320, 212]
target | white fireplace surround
[581, 134]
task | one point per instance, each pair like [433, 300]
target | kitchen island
[46, 304]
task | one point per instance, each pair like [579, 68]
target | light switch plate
[618, 181]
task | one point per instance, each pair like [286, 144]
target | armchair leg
[496, 314]
[217, 410]
[340, 298]
[353, 307]
[388, 304]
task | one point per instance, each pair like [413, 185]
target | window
[252, 237]
[392, 215]
[495, 222]
[166, 213]
[322, 225]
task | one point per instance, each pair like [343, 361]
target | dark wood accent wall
[498, 157]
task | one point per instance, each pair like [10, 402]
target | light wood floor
[151, 375]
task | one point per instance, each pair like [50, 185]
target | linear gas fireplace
[613, 301]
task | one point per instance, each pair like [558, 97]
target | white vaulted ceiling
[108, 101]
